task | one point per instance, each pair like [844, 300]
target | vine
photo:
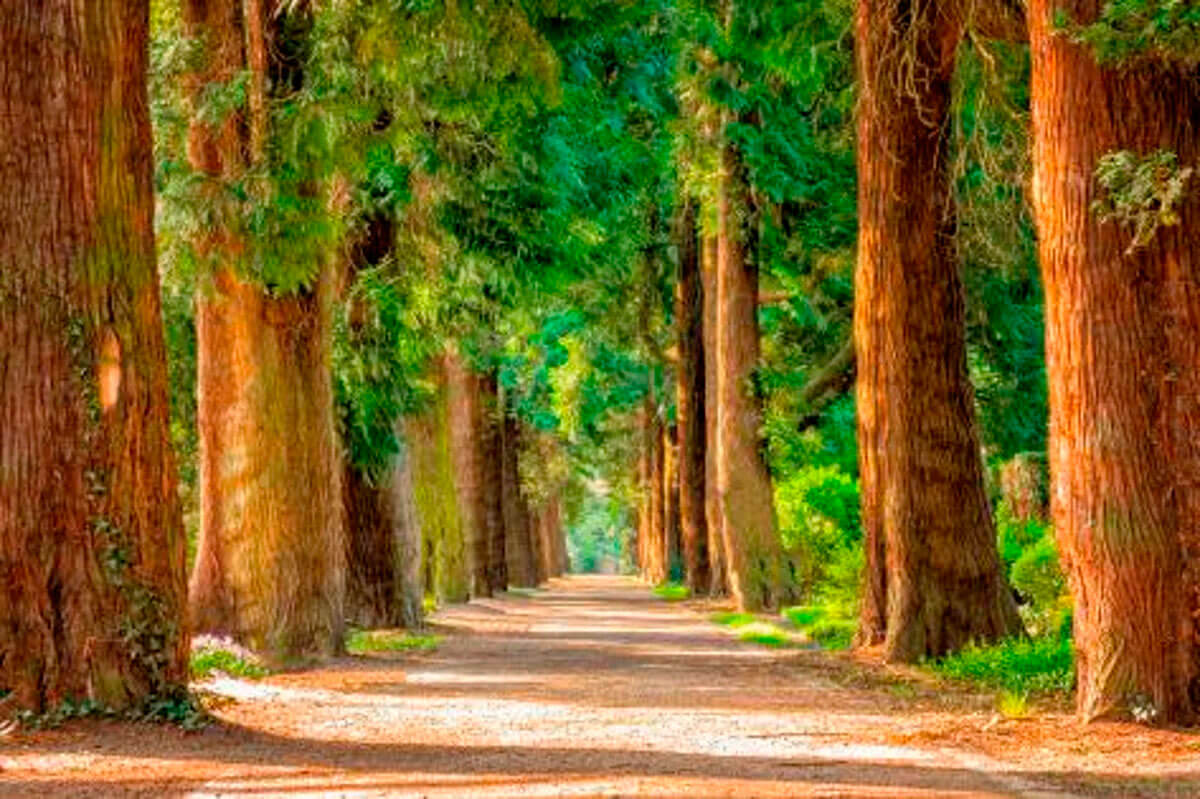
[1141, 191]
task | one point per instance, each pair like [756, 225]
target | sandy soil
[596, 688]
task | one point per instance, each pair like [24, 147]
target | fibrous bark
[933, 579]
[466, 426]
[91, 538]
[518, 537]
[689, 404]
[1123, 362]
[718, 582]
[751, 547]
[491, 444]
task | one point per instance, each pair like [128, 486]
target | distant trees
[91, 538]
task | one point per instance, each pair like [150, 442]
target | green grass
[205, 662]
[764, 634]
[821, 625]
[732, 619]
[1017, 666]
[672, 592]
[360, 642]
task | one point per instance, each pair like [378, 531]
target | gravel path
[591, 688]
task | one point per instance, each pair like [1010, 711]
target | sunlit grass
[1016, 665]
[821, 625]
[733, 619]
[672, 592]
[361, 642]
[215, 657]
[764, 634]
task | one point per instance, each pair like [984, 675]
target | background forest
[743, 297]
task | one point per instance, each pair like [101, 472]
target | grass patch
[733, 619]
[361, 642]
[1018, 666]
[672, 592]
[764, 634]
[207, 661]
[822, 626]
[1013, 705]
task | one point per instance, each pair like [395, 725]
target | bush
[1020, 666]
[819, 528]
[1036, 574]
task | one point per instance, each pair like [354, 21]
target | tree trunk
[518, 539]
[466, 429]
[933, 575]
[432, 440]
[491, 441]
[672, 558]
[384, 576]
[1123, 360]
[689, 404]
[754, 557]
[718, 582]
[91, 538]
[656, 542]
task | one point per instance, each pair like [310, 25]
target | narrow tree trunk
[1123, 360]
[743, 484]
[466, 428]
[672, 552]
[518, 539]
[656, 545]
[934, 581]
[689, 404]
[492, 458]
[91, 538]
[431, 440]
[407, 531]
[713, 519]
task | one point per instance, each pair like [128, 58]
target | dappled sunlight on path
[591, 688]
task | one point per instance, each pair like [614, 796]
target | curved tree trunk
[689, 404]
[1123, 359]
[933, 576]
[745, 501]
[91, 538]
[718, 580]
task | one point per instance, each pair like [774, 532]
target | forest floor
[596, 688]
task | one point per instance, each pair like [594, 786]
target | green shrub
[819, 527]
[211, 657]
[1020, 666]
[1036, 574]
[672, 591]
[827, 625]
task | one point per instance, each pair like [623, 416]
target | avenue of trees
[316, 312]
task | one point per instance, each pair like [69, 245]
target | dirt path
[596, 688]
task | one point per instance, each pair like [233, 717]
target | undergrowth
[360, 642]
[212, 655]
[180, 708]
[672, 591]
[1021, 667]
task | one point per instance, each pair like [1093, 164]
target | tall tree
[933, 578]
[689, 403]
[270, 564]
[518, 535]
[718, 581]
[1122, 352]
[91, 538]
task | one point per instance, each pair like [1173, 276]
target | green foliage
[732, 619]
[1132, 30]
[596, 537]
[177, 707]
[828, 625]
[1036, 574]
[211, 659]
[361, 642]
[819, 527]
[1021, 666]
[672, 592]
[1142, 192]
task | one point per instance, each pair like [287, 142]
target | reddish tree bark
[689, 404]
[933, 579]
[672, 547]
[491, 456]
[718, 581]
[466, 427]
[518, 537]
[91, 537]
[1123, 360]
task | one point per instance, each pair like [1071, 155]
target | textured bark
[270, 563]
[718, 581]
[384, 575]
[689, 404]
[672, 552]
[1123, 360]
[429, 441]
[466, 428]
[754, 558]
[656, 571]
[933, 579]
[518, 537]
[491, 455]
[91, 538]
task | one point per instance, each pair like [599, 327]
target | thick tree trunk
[518, 538]
[430, 440]
[270, 561]
[91, 538]
[466, 428]
[672, 553]
[1123, 359]
[752, 550]
[385, 585]
[491, 454]
[933, 576]
[718, 581]
[689, 404]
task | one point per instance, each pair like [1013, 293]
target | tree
[270, 564]
[933, 578]
[689, 403]
[1121, 267]
[518, 533]
[91, 537]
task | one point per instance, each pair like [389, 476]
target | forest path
[593, 687]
